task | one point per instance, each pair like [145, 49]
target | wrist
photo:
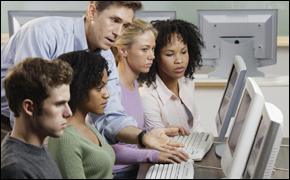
[140, 136]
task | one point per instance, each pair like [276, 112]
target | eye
[99, 88]
[153, 49]
[184, 52]
[169, 55]
[114, 20]
[145, 49]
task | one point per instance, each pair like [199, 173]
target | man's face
[55, 112]
[108, 26]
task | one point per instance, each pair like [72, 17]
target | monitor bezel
[241, 69]
[233, 164]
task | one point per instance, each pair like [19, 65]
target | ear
[123, 51]
[92, 11]
[27, 106]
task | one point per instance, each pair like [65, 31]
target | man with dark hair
[37, 91]
[104, 22]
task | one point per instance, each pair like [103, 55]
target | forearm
[129, 134]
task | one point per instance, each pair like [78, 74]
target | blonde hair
[138, 28]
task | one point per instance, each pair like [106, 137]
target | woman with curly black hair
[168, 89]
[82, 152]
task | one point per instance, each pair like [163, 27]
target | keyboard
[196, 144]
[184, 170]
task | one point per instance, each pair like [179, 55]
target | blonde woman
[134, 53]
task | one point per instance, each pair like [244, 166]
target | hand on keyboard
[181, 129]
[176, 156]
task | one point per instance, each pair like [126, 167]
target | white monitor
[240, 140]
[266, 145]
[230, 100]
[17, 18]
[249, 33]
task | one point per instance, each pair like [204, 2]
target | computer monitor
[249, 33]
[17, 18]
[266, 145]
[242, 135]
[230, 100]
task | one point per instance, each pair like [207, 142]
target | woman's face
[98, 97]
[173, 59]
[141, 54]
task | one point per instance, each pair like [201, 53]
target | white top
[163, 108]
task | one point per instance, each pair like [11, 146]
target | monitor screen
[240, 119]
[255, 149]
[249, 33]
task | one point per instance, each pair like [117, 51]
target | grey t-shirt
[21, 160]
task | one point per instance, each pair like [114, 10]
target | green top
[79, 158]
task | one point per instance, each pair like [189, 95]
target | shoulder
[146, 91]
[14, 170]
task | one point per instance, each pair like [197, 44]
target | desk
[211, 159]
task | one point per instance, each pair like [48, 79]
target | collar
[80, 40]
[164, 93]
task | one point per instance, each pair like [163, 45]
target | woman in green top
[82, 152]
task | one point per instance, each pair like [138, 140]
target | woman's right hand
[171, 157]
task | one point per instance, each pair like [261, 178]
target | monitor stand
[219, 150]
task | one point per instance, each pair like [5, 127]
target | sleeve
[114, 118]
[35, 41]
[67, 154]
[128, 155]
[152, 113]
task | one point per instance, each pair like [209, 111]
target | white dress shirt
[163, 108]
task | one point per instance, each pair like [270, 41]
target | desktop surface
[210, 159]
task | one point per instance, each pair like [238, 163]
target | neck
[127, 75]
[78, 118]
[170, 83]
[25, 131]
[89, 36]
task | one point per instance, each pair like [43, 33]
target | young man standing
[37, 91]
[104, 22]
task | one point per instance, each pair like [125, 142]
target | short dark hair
[33, 79]
[189, 34]
[88, 70]
[102, 5]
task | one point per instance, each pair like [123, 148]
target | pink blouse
[162, 108]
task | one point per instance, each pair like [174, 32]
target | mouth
[149, 65]
[104, 105]
[179, 69]
[111, 41]
[63, 125]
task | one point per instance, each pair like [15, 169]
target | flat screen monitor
[230, 100]
[249, 33]
[266, 144]
[17, 18]
[240, 140]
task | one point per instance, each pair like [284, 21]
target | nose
[67, 112]
[106, 93]
[179, 59]
[118, 31]
[151, 55]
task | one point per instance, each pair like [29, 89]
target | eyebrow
[173, 50]
[120, 19]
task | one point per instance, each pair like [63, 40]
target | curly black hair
[185, 31]
[88, 70]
